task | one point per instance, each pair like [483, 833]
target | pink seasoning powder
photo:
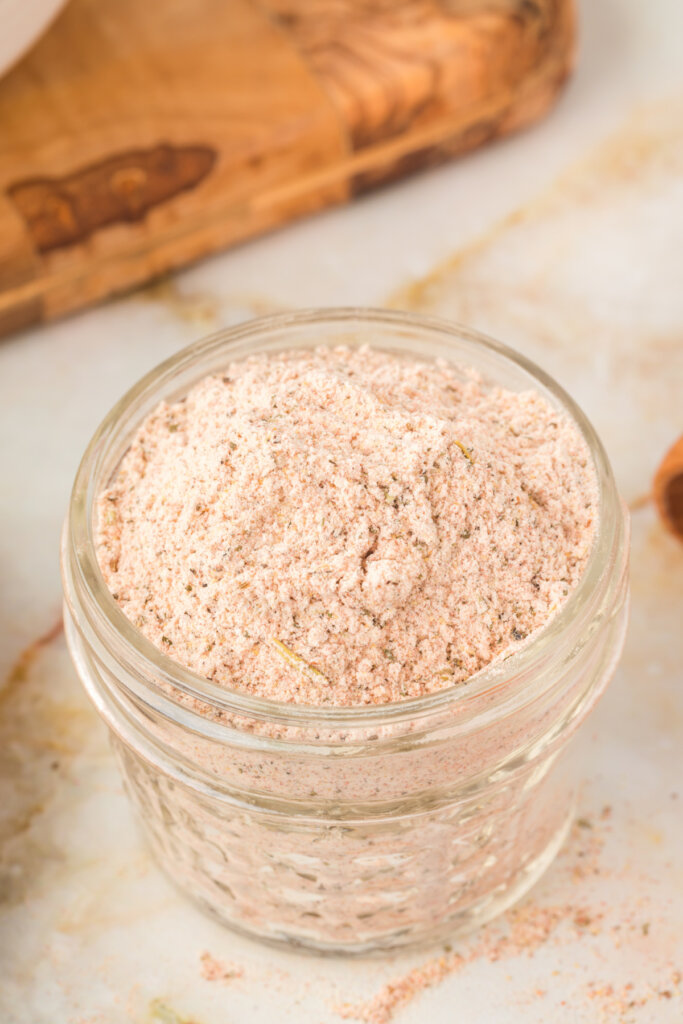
[346, 526]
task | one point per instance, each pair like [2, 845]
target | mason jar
[348, 829]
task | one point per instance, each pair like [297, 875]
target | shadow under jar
[347, 830]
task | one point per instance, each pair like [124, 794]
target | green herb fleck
[465, 451]
[298, 662]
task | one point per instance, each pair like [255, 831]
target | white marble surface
[567, 242]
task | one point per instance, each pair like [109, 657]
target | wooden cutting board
[137, 137]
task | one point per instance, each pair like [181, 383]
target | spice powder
[346, 526]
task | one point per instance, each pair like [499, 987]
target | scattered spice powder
[212, 969]
[522, 931]
[346, 526]
[525, 929]
[613, 1003]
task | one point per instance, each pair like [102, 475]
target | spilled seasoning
[525, 929]
[212, 969]
[614, 1002]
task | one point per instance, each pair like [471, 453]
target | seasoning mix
[343, 584]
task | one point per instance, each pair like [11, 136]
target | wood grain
[132, 144]
[391, 67]
[125, 187]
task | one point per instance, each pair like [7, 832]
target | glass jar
[347, 829]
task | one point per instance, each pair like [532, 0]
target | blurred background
[173, 168]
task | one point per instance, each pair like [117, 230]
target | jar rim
[85, 584]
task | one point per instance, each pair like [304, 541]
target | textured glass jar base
[352, 886]
[461, 924]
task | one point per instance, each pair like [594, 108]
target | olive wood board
[136, 138]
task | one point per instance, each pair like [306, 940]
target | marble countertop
[566, 242]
